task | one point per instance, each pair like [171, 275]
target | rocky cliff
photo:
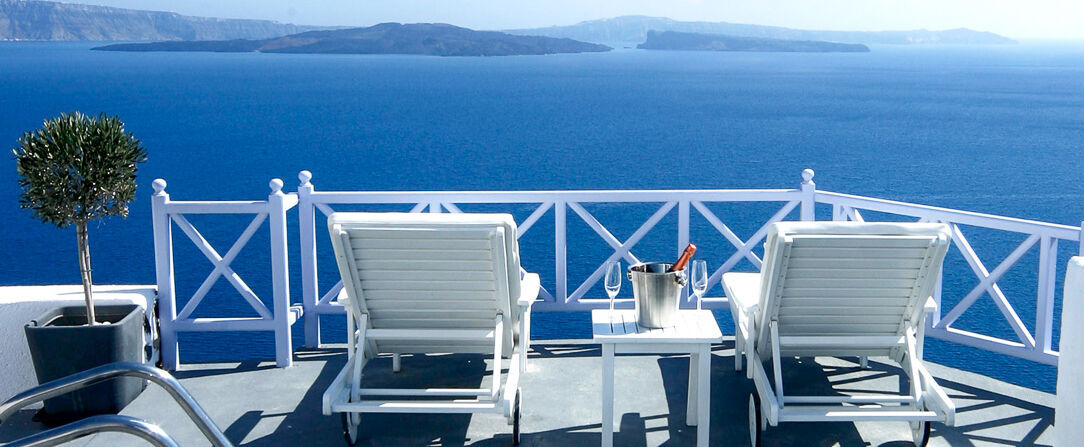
[38, 20]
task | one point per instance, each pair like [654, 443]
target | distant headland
[672, 40]
[434, 39]
[53, 21]
[634, 30]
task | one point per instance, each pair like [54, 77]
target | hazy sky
[1013, 18]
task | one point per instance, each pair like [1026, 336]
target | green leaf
[77, 168]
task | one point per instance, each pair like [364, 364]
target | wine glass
[699, 280]
[613, 281]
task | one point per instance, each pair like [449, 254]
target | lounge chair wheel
[920, 433]
[351, 422]
[755, 420]
[515, 417]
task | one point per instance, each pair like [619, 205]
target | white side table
[693, 334]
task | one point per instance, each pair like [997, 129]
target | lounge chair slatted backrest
[847, 279]
[430, 271]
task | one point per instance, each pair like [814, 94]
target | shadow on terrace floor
[258, 405]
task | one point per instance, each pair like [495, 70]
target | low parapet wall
[20, 304]
[1069, 410]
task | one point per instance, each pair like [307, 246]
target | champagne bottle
[683, 260]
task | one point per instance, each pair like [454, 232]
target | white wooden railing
[1033, 344]
[319, 299]
[279, 319]
[564, 296]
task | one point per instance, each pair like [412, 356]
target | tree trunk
[84, 269]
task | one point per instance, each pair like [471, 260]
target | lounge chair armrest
[528, 289]
[743, 289]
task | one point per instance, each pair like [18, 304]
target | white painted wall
[20, 304]
[1069, 407]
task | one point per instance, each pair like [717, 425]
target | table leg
[704, 395]
[607, 395]
[691, 407]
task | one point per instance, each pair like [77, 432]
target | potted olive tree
[73, 170]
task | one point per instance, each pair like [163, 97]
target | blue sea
[990, 129]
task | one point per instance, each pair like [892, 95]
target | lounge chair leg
[863, 361]
[737, 352]
[396, 363]
[525, 331]
[523, 362]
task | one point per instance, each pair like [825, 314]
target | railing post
[809, 197]
[559, 246]
[1044, 309]
[1081, 238]
[280, 277]
[163, 272]
[310, 289]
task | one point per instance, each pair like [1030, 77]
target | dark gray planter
[62, 344]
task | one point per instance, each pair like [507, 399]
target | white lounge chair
[840, 289]
[430, 283]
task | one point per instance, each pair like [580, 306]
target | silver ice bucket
[657, 293]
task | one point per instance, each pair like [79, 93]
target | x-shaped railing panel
[744, 248]
[621, 249]
[221, 266]
[988, 284]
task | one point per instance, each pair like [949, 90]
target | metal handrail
[96, 424]
[95, 375]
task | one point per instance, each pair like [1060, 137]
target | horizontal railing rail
[279, 318]
[933, 213]
[599, 196]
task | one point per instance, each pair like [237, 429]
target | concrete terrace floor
[259, 405]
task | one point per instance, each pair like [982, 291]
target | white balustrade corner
[1034, 343]
[279, 319]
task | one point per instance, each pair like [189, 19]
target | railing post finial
[159, 185]
[809, 198]
[276, 186]
[304, 176]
